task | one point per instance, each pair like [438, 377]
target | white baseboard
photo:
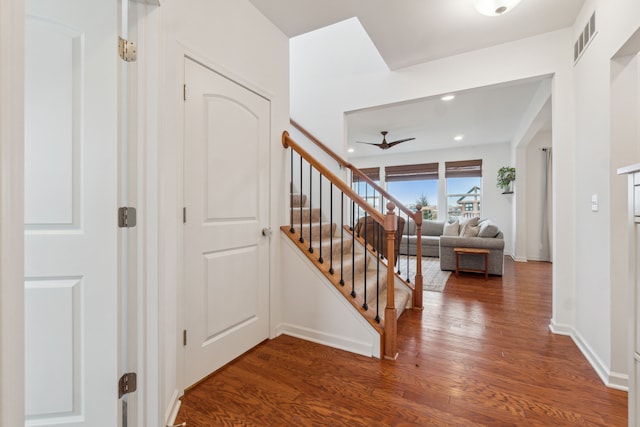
[173, 408]
[611, 379]
[618, 381]
[362, 348]
[559, 329]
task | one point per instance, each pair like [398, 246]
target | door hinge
[128, 383]
[184, 337]
[184, 215]
[126, 217]
[127, 50]
[184, 92]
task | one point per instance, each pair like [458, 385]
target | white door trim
[150, 346]
[11, 212]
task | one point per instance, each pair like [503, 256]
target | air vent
[584, 38]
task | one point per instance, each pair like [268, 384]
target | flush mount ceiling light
[495, 7]
[449, 97]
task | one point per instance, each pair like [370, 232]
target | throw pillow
[470, 231]
[452, 229]
[468, 222]
[488, 230]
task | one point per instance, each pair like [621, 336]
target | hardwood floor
[480, 354]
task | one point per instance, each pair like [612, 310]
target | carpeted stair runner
[376, 281]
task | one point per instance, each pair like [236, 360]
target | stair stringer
[330, 319]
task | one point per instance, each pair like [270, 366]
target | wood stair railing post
[417, 292]
[390, 313]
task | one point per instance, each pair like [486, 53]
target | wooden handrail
[342, 162]
[287, 142]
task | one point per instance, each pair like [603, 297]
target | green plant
[506, 175]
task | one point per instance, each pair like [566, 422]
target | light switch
[594, 203]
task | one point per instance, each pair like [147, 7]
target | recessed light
[350, 150]
[458, 137]
[448, 97]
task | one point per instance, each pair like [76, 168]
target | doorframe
[145, 132]
[12, 213]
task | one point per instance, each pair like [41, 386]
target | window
[364, 189]
[413, 185]
[464, 180]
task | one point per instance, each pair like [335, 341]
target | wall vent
[584, 38]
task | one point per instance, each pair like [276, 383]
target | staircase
[355, 301]
[361, 275]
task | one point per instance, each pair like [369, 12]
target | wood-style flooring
[480, 354]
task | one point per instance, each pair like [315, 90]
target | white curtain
[546, 238]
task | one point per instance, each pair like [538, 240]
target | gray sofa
[431, 232]
[489, 237]
[478, 234]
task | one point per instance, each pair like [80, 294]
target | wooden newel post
[390, 312]
[417, 293]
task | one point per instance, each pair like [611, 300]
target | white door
[226, 190]
[71, 178]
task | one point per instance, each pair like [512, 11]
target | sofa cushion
[432, 228]
[470, 231]
[451, 229]
[409, 227]
[488, 229]
[467, 222]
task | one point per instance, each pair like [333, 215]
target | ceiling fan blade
[370, 143]
[391, 144]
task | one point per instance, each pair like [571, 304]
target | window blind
[463, 169]
[372, 173]
[418, 172]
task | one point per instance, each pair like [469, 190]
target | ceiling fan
[384, 145]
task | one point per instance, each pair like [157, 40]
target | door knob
[267, 232]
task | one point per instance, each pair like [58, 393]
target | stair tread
[371, 284]
[401, 299]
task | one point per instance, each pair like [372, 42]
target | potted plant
[506, 175]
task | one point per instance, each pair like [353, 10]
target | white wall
[233, 38]
[601, 304]
[315, 310]
[625, 132]
[537, 116]
[495, 205]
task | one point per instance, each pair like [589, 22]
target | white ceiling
[488, 115]
[408, 32]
